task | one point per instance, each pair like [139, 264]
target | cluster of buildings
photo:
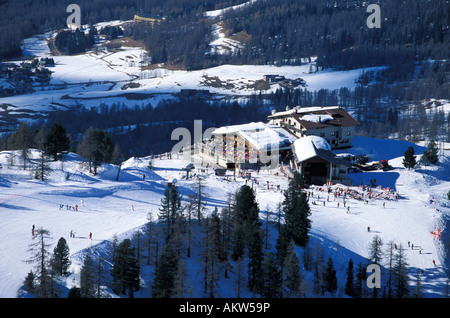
[22, 76]
[301, 139]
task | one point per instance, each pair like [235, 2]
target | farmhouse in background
[332, 123]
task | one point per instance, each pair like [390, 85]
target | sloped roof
[260, 135]
[309, 147]
[334, 116]
[317, 117]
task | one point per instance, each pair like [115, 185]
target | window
[322, 134]
[349, 133]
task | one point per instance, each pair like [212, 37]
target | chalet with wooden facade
[333, 123]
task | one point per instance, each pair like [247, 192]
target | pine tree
[297, 211]
[418, 288]
[87, 278]
[282, 244]
[375, 250]
[390, 265]
[329, 279]
[61, 259]
[57, 141]
[349, 286]
[97, 147]
[409, 161]
[40, 140]
[271, 277]
[23, 140]
[255, 255]
[360, 281]
[29, 282]
[291, 274]
[40, 257]
[199, 196]
[400, 274]
[170, 209]
[430, 156]
[164, 276]
[125, 270]
[238, 242]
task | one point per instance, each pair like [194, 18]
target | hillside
[106, 207]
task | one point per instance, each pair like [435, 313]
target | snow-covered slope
[107, 76]
[106, 207]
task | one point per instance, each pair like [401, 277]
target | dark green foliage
[291, 273]
[296, 210]
[73, 42]
[272, 278]
[57, 140]
[246, 208]
[87, 278]
[74, 292]
[29, 282]
[409, 161]
[329, 277]
[125, 271]
[170, 209]
[430, 156]
[61, 259]
[349, 283]
[255, 256]
[238, 242]
[163, 280]
[111, 32]
[96, 146]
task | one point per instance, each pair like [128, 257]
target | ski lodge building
[299, 139]
[332, 123]
[247, 145]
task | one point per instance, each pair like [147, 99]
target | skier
[76, 207]
[32, 230]
[368, 229]
[90, 235]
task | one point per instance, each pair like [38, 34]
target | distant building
[332, 123]
[150, 19]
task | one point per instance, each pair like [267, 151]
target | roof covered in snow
[317, 117]
[260, 135]
[309, 147]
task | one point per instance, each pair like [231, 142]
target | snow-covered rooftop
[306, 148]
[259, 134]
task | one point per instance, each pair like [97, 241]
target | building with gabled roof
[313, 158]
[333, 123]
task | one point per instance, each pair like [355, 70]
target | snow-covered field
[106, 76]
[107, 207]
